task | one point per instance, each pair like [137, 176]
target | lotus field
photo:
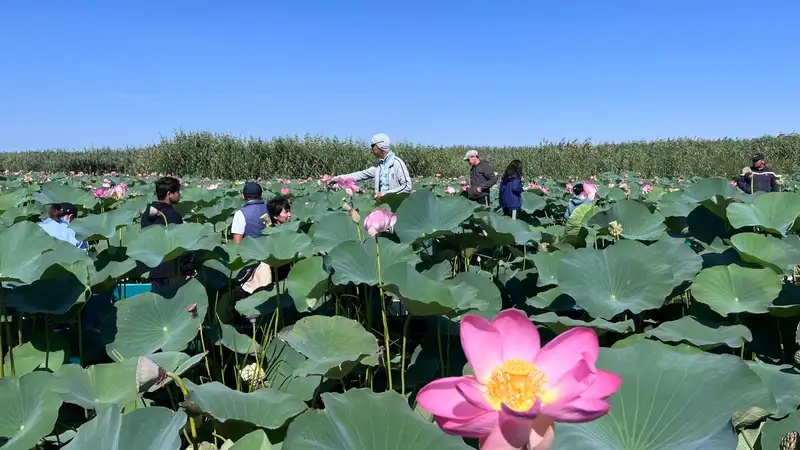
[662, 316]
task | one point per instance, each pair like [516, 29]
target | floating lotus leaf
[734, 289]
[390, 425]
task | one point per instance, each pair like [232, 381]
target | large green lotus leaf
[781, 255]
[263, 303]
[503, 230]
[219, 211]
[626, 276]
[578, 220]
[101, 226]
[684, 261]
[265, 408]
[153, 428]
[784, 383]
[773, 431]
[553, 299]
[547, 265]
[30, 409]
[637, 222]
[773, 211]
[256, 440]
[227, 336]
[156, 244]
[175, 362]
[22, 213]
[425, 296]
[673, 204]
[423, 215]
[110, 265]
[38, 297]
[279, 362]
[148, 322]
[21, 252]
[706, 336]
[54, 192]
[276, 249]
[355, 262]
[199, 196]
[709, 188]
[13, 199]
[333, 345]
[532, 202]
[333, 230]
[560, 324]
[97, 385]
[362, 419]
[668, 400]
[307, 283]
[735, 289]
[40, 353]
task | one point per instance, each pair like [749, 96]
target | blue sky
[91, 73]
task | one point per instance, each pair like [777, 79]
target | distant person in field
[481, 178]
[162, 212]
[389, 172]
[583, 194]
[59, 216]
[247, 221]
[758, 178]
[511, 189]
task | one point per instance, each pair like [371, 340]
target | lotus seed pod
[789, 442]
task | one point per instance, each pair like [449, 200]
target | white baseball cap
[381, 140]
[470, 154]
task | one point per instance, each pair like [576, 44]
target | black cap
[758, 157]
[252, 190]
[69, 208]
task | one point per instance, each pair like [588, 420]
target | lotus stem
[7, 327]
[46, 345]
[780, 337]
[80, 339]
[388, 357]
[255, 352]
[406, 326]
[205, 358]
[185, 393]
[439, 343]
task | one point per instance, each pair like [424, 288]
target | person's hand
[478, 188]
[378, 195]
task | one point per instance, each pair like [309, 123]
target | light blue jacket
[61, 231]
[399, 179]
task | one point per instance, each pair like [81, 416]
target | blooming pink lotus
[590, 191]
[520, 388]
[326, 178]
[212, 187]
[285, 191]
[569, 187]
[464, 187]
[451, 190]
[379, 220]
[647, 188]
[733, 182]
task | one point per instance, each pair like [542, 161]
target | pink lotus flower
[118, 192]
[345, 183]
[520, 389]
[438, 175]
[569, 187]
[589, 191]
[647, 188]
[681, 180]
[733, 182]
[451, 190]
[463, 183]
[379, 220]
[212, 187]
[259, 179]
[544, 189]
[285, 191]
[106, 183]
[99, 193]
[464, 187]
[326, 177]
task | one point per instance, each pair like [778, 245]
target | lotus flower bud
[615, 229]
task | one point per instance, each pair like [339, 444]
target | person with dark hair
[247, 221]
[279, 210]
[511, 189]
[582, 195]
[59, 216]
[162, 212]
[758, 177]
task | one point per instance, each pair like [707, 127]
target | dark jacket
[179, 267]
[511, 194]
[761, 180]
[481, 176]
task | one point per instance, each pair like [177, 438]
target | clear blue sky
[112, 73]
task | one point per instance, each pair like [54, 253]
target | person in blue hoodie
[580, 198]
[511, 189]
[59, 216]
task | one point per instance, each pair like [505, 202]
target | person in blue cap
[59, 216]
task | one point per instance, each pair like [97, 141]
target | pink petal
[520, 336]
[604, 386]
[512, 433]
[482, 345]
[566, 350]
[372, 232]
[530, 414]
[579, 410]
[470, 390]
[477, 427]
[442, 399]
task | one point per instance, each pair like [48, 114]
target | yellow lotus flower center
[516, 383]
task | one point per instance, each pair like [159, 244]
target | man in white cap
[481, 178]
[389, 172]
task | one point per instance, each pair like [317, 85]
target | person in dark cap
[247, 221]
[59, 216]
[758, 177]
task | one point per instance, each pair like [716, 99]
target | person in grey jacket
[389, 172]
[481, 178]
